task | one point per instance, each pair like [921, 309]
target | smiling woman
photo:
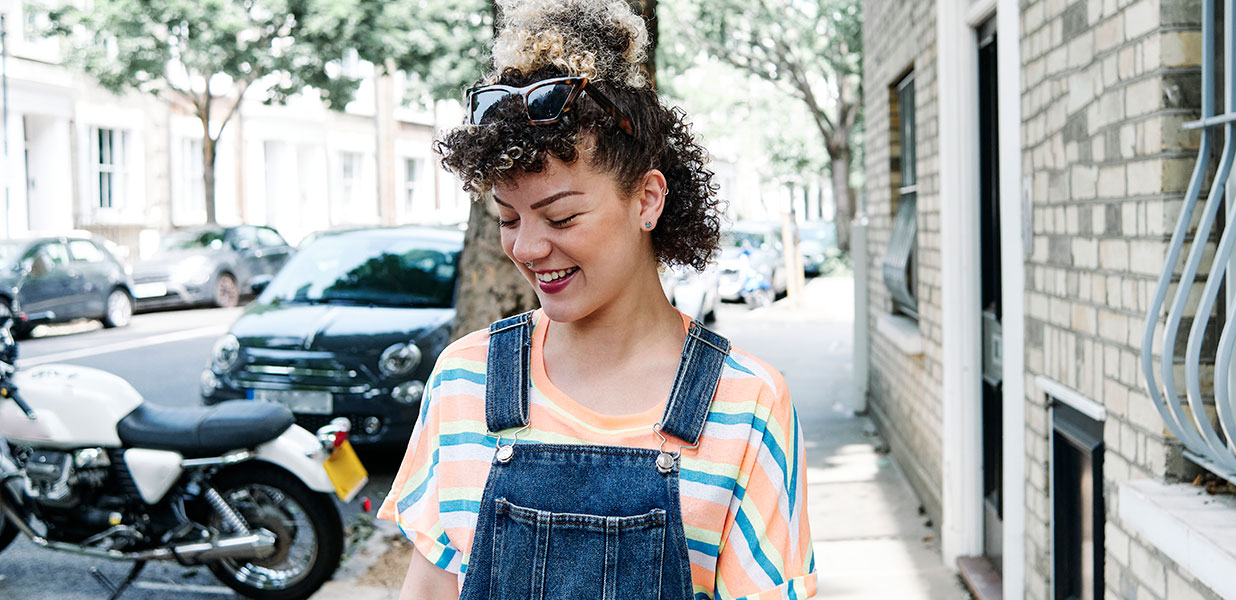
[605, 445]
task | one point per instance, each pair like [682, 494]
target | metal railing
[1194, 429]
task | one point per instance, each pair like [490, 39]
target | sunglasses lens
[481, 104]
[545, 103]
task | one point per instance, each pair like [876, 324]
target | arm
[425, 581]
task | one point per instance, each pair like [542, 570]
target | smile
[555, 275]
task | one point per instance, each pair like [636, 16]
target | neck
[639, 320]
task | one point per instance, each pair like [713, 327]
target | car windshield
[10, 253]
[741, 239]
[192, 239]
[370, 270]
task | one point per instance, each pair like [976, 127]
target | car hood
[335, 328]
[166, 262]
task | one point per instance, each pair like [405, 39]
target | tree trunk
[208, 173]
[843, 196]
[490, 287]
[648, 10]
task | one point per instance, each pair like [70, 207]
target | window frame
[900, 265]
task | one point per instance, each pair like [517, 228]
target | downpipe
[251, 545]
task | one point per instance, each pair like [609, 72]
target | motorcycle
[87, 467]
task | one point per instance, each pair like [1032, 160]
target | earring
[648, 225]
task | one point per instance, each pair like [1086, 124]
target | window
[189, 199]
[900, 260]
[108, 148]
[85, 251]
[349, 177]
[269, 238]
[411, 175]
[1077, 503]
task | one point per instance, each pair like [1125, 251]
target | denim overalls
[561, 521]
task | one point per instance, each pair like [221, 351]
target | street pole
[4, 92]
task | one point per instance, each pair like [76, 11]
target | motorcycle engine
[60, 478]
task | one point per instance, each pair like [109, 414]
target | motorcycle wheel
[306, 524]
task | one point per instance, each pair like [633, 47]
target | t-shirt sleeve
[413, 499]
[766, 549]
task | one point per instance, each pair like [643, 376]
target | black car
[59, 278]
[209, 265]
[351, 327]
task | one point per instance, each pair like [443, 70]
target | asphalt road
[161, 354]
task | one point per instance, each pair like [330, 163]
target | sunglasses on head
[544, 101]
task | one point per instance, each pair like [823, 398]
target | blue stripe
[793, 490]
[465, 437]
[465, 374]
[702, 596]
[467, 506]
[416, 494]
[753, 542]
[733, 364]
[448, 554]
[720, 481]
[701, 546]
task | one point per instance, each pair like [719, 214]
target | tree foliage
[811, 49]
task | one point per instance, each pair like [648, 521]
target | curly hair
[604, 41]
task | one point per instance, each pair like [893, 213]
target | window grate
[1194, 429]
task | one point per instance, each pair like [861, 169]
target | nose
[530, 244]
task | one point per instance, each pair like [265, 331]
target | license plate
[150, 290]
[346, 472]
[299, 401]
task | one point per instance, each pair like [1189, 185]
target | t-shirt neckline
[612, 423]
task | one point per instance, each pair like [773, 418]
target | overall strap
[699, 371]
[506, 373]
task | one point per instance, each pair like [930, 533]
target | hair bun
[598, 39]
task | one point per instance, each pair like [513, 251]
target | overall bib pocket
[539, 555]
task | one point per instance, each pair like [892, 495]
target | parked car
[757, 245]
[817, 242]
[692, 292]
[59, 278]
[351, 327]
[209, 265]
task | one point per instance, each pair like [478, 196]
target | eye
[510, 223]
[563, 222]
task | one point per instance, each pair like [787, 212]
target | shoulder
[749, 372]
[468, 353]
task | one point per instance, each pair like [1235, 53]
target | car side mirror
[260, 283]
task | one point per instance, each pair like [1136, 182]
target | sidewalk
[870, 541]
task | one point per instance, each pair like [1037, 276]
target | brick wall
[1106, 85]
[905, 391]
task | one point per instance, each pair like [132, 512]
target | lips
[552, 282]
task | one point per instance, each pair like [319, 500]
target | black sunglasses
[544, 101]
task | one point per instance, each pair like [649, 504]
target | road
[161, 354]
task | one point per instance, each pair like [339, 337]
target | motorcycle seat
[204, 431]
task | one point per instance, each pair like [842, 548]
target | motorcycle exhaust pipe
[251, 545]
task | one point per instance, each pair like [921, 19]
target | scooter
[87, 467]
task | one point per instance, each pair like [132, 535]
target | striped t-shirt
[744, 499]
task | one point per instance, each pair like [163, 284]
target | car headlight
[226, 352]
[193, 270]
[208, 383]
[408, 392]
[399, 359]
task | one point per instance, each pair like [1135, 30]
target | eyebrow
[543, 202]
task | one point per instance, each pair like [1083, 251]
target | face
[585, 240]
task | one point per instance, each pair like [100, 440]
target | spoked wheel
[227, 294]
[119, 310]
[306, 525]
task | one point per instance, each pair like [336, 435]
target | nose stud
[528, 264]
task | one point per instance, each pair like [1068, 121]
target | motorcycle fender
[154, 471]
[300, 453]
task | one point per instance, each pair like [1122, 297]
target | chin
[561, 312]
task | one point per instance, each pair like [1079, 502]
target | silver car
[751, 249]
[209, 265]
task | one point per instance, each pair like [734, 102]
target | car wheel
[119, 309]
[227, 294]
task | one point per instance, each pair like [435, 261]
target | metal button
[505, 453]
[665, 462]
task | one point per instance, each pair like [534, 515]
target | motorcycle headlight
[225, 353]
[399, 359]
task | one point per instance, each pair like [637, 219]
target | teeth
[555, 275]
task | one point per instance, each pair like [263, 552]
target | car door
[48, 291]
[247, 261]
[274, 250]
[94, 272]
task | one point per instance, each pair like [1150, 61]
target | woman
[603, 446]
